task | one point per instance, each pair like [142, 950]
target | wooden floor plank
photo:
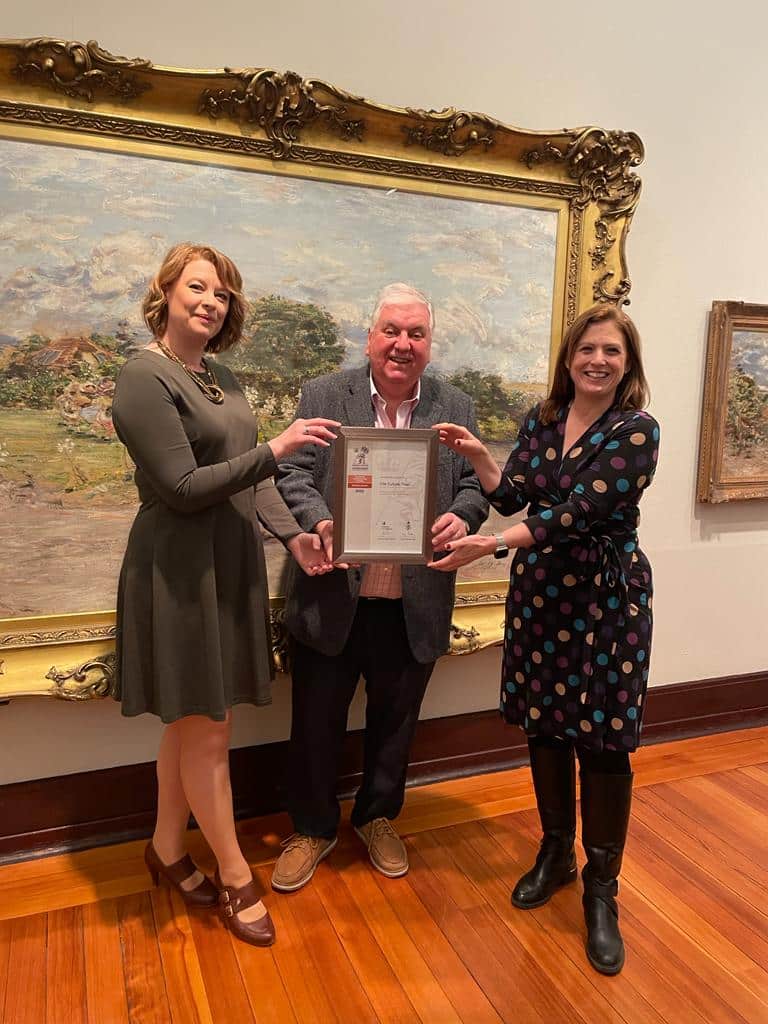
[65, 968]
[321, 947]
[184, 984]
[677, 972]
[650, 876]
[268, 998]
[727, 863]
[144, 981]
[741, 786]
[727, 909]
[477, 935]
[450, 971]
[106, 997]
[303, 984]
[25, 997]
[5, 952]
[225, 988]
[379, 981]
[406, 960]
[742, 827]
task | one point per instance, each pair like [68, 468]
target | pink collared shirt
[382, 579]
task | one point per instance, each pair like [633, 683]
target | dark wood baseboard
[72, 812]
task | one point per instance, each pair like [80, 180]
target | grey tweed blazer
[320, 609]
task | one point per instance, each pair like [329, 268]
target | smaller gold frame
[715, 483]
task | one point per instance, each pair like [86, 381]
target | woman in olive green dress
[193, 633]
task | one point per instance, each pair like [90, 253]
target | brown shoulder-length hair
[632, 392]
[154, 308]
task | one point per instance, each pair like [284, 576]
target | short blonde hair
[154, 308]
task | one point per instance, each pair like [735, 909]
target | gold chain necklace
[210, 388]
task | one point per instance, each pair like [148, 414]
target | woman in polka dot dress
[579, 617]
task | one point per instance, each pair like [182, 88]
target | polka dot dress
[579, 609]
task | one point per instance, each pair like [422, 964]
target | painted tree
[284, 344]
[499, 409]
[747, 406]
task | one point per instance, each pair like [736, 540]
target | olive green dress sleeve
[273, 512]
[147, 422]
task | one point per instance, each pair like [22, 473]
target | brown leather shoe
[385, 847]
[296, 864]
[203, 895]
[231, 901]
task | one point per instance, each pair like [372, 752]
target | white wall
[694, 87]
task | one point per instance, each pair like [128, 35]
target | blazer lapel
[428, 409]
[357, 402]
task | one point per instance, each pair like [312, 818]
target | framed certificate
[385, 485]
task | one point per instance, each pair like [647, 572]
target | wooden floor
[84, 941]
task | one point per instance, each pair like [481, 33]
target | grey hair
[399, 294]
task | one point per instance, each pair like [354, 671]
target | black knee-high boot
[554, 780]
[605, 805]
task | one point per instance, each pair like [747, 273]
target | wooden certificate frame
[356, 453]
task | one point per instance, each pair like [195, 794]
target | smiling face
[598, 361]
[197, 303]
[399, 347]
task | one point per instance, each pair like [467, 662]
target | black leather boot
[554, 780]
[605, 804]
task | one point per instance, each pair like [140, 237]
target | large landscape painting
[82, 231]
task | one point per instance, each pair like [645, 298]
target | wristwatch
[502, 548]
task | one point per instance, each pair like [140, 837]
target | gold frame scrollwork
[59, 90]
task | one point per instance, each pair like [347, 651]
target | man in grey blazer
[388, 623]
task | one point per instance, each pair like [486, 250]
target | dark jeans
[606, 762]
[323, 688]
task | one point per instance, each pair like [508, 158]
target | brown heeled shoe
[231, 901]
[203, 895]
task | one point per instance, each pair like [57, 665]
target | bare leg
[172, 807]
[204, 773]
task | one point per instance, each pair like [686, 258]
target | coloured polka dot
[575, 453]
[585, 726]
[617, 724]
[569, 580]
[534, 713]
[600, 486]
[563, 635]
[637, 439]
[550, 454]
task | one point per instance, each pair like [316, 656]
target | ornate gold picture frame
[733, 448]
[575, 190]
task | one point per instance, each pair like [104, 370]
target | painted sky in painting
[749, 349]
[81, 232]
